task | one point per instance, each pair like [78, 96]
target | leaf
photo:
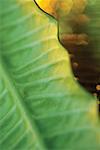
[79, 25]
[41, 105]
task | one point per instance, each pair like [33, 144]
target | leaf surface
[41, 105]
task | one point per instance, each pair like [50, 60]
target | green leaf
[41, 105]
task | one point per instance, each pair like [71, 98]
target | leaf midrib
[6, 76]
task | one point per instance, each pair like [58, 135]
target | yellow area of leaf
[61, 7]
[48, 5]
[55, 7]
